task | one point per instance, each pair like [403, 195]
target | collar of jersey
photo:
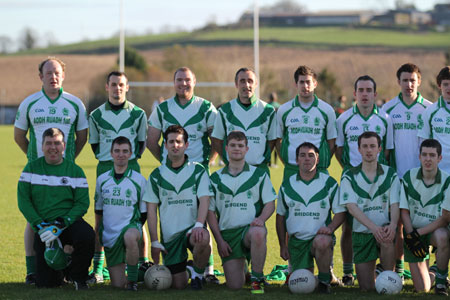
[419, 99]
[53, 101]
[316, 176]
[253, 100]
[127, 173]
[245, 169]
[314, 103]
[358, 169]
[187, 103]
[442, 104]
[356, 111]
[125, 105]
[169, 164]
[437, 180]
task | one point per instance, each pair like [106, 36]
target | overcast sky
[67, 21]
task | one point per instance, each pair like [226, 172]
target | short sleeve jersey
[436, 125]
[105, 124]
[407, 121]
[351, 124]
[121, 202]
[315, 124]
[372, 198]
[196, 117]
[37, 113]
[307, 205]
[239, 199]
[257, 122]
[176, 191]
[423, 202]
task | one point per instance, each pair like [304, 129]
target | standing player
[306, 200]
[405, 112]
[118, 205]
[436, 119]
[424, 191]
[371, 192]
[50, 107]
[53, 196]
[362, 117]
[306, 118]
[250, 115]
[196, 115]
[244, 199]
[180, 190]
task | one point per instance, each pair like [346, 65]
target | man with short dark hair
[53, 196]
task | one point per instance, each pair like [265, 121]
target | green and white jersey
[257, 121]
[406, 121]
[37, 113]
[121, 203]
[105, 124]
[315, 124]
[176, 191]
[307, 205]
[351, 124]
[46, 192]
[196, 117]
[374, 199]
[239, 199]
[436, 125]
[424, 202]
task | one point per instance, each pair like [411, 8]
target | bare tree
[28, 39]
[284, 6]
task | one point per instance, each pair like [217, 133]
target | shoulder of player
[390, 104]
[345, 115]
[32, 97]
[98, 111]
[285, 106]
[137, 177]
[68, 96]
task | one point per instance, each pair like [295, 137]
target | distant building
[408, 16]
[441, 14]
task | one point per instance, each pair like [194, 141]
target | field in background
[12, 262]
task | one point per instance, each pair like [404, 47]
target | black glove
[415, 245]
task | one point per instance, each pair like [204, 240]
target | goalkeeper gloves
[415, 245]
[51, 232]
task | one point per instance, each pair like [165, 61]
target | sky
[65, 21]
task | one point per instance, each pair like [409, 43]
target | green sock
[441, 276]
[348, 268]
[257, 276]
[30, 262]
[211, 260]
[142, 260]
[99, 258]
[132, 272]
[399, 267]
[324, 277]
[199, 270]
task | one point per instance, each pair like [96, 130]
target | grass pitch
[12, 255]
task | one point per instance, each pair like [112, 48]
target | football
[388, 282]
[302, 281]
[158, 277]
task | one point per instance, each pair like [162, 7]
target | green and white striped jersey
[176, 191]
[257, 122]
[239, 199]
[121, 203]
[196, 117]
[315, 124]
[105, 124]
[351, 124]
[436, 125]
[374, 199]
[424, 202]
[37, 113]
[307, 205]
[406, 121]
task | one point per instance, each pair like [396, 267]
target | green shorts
[300, 253]
[365, 247]
[177, 249]
[104, 166]
[235, 239]
[409, 257]
[117, 253]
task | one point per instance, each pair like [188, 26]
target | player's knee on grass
[234, 273]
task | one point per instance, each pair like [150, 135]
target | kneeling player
[371, 194]
[424, 191]
[118, 204]
[304, 211]
[244, 200]
[180, 189]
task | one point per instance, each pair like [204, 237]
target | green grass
[323, 37]
[12, 261]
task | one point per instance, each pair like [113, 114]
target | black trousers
[81, 237]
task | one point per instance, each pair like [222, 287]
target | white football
[158, 277]
[302, 281]
[388, 282]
